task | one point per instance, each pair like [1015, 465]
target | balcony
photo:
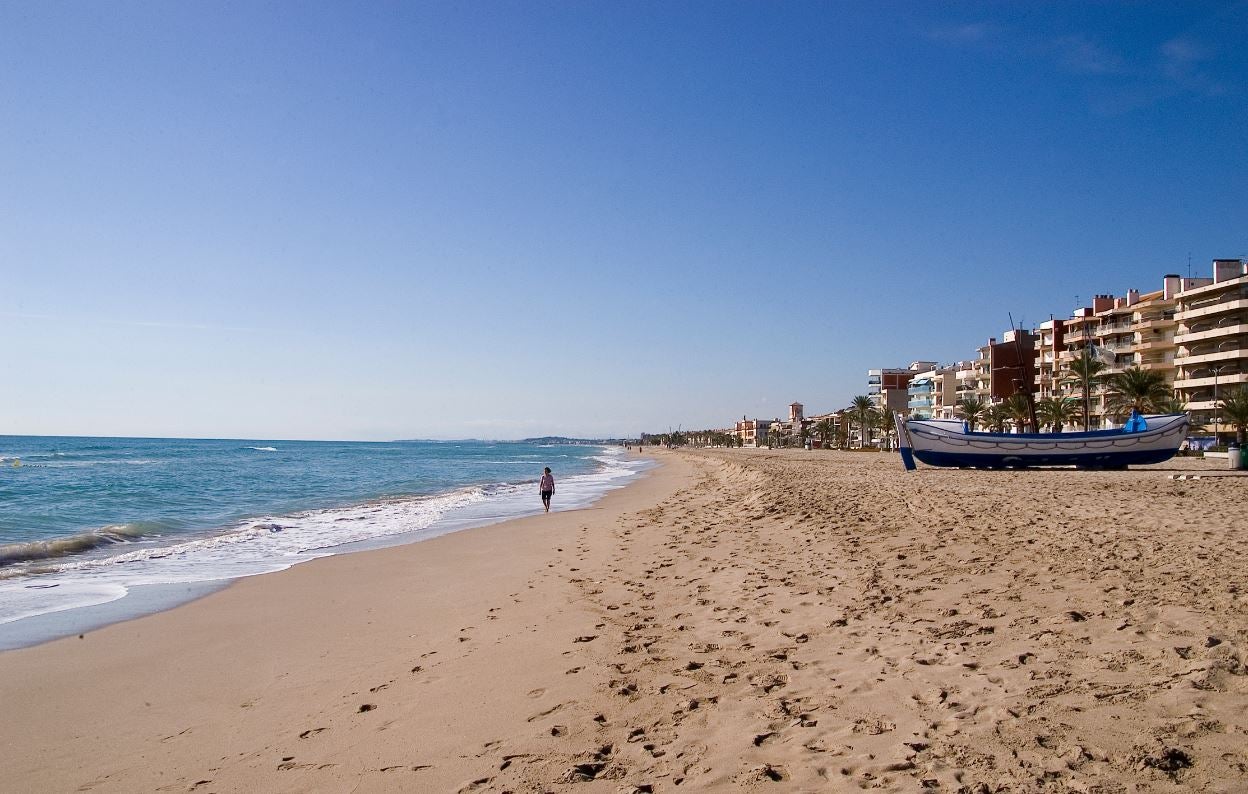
[1232, 292]
[1212, 357]
[1154, 344]
[1155, 361]
[1213, 289]
[1155, 322]
[1112, 328]
[1234, 301]
[1224, 379]
[1201, 331]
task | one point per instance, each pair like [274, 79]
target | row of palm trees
[834, 431]
[861, 413]
[1136, 389]
[1133, 389]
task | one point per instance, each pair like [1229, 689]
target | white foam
[273, 543]
[32, 598]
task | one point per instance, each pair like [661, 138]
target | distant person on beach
[547, 487]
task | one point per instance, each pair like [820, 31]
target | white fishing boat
[950, 442]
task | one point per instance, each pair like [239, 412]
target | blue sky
[384, 220]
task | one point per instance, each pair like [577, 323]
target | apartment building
[1132, 330]
[1110, 330]
[1211, 340]
[983, 372]
[1154, 325]
[812, 422]
[920, 395]
[1050, 344]
[752, 432]
[1193, 330]
[888, 387]
[933, 393]
[965, 384]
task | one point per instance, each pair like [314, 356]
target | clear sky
[395, 220]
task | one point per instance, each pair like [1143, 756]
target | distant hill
[566, 440]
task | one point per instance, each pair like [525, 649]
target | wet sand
[738, 620]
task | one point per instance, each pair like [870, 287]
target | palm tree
[1017, 410]
[842, 429]
[994, 418]
[1136, 389]
[970, 408]
[1056, 412]
[884, 421]
[1176, 405]
[1235, 412]
[863, 411]
[1085, 371]
[825, 429]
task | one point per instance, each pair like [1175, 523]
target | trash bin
[1233, 458]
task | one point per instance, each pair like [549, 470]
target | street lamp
[1216, 372]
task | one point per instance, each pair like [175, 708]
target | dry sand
[743, 620]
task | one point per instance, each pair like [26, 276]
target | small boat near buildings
[950, 443]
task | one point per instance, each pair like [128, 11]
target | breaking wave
[53, 548]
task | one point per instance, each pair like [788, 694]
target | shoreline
[242, 664]
[139, 598]
[732, 621]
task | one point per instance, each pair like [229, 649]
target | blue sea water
[83, 521]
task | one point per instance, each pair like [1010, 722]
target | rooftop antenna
[1189, 265]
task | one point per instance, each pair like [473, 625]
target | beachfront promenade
[736, 620]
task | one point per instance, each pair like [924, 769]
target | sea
[94, 530]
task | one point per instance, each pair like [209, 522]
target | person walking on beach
[547, 487]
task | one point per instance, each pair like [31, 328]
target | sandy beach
[736, 620]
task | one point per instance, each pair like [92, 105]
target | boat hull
[947, 444]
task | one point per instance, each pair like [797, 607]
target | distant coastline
[576, 442]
